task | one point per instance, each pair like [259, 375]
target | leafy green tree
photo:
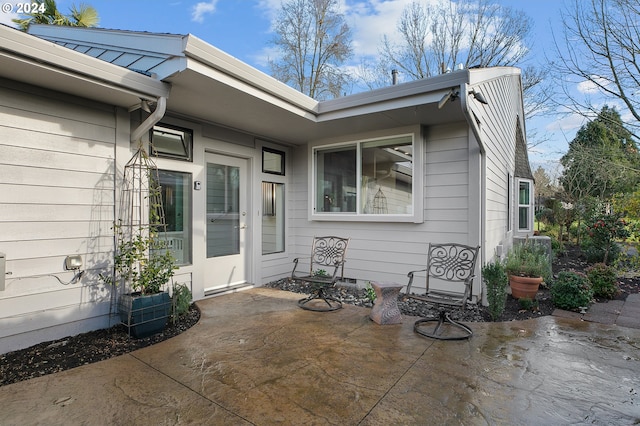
[313, 40]
[46, 12]
[543, 185]
[602, 159]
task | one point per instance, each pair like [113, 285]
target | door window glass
[223, 210]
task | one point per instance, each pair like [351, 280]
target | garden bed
[86, 348]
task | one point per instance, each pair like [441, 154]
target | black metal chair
[453, 267]
[326, 260]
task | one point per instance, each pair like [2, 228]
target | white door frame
[219, 276]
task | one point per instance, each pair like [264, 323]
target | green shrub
[603, 231]
[594, 254]
[496, 281]
[181, 299]
[571, 290]
[528, 304]
[628, 260]
[370, 293]
[603, 280]
[556, 247]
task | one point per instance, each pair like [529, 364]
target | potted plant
[146, 265]
[527, 265]
[143, 263]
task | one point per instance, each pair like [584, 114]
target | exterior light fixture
[478, 96]
[451, 95]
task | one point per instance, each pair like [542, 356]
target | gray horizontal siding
[56, 181]
[388, 251]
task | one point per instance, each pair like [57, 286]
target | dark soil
[63, 354]
[70, 352]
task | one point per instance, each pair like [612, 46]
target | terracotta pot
[524, 287]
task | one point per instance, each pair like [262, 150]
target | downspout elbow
[471, 119]
[152, 120]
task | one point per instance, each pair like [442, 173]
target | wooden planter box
[144, 315]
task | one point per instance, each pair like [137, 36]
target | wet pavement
[256, 358]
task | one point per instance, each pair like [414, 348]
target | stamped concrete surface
[256, 358]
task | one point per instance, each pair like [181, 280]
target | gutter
[152, 120]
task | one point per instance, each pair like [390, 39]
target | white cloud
[589, 87]
[370, 21]
[567, 123]
[203, 8]
[262, 58]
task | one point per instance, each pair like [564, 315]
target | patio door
[227, 221]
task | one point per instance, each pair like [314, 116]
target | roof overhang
[31, 60]
[218, 88]
[212, 86]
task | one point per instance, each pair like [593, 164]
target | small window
[524, 206]
[273, 161]
[272, 217]
[176, 200]
[172, 142]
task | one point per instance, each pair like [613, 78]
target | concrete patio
[256, 358]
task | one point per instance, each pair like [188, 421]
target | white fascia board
[482, 75]
[381, 106]
[414, 93]
[225, 78]
[54, 57]
[215, 58]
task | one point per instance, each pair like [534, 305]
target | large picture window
[371, 178]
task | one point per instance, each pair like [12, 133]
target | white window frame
[417, 184]
[528, 206]
[278, 178]
[174, 237]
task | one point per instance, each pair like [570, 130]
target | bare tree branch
[314, 40]
[599, 49]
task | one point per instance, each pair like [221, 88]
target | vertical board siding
[57, 182]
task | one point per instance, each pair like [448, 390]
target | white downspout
[152, 120]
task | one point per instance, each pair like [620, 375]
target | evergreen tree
[602, 159]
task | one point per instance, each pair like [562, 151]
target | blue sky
[242, 29]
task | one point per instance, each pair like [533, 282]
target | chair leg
[320, 295]
[442, 319]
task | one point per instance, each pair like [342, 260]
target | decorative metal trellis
[141, 211]
[140, 222]
[380, 203]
